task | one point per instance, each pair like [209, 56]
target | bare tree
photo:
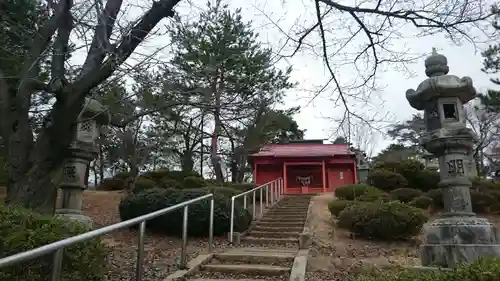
[33, 159]
[362, 37]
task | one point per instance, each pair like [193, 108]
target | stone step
[275, 228]
[270, 234]
[280, 223]
[275, 219]
[257, 269]
[279, 216]
[269, 241]
[289, 209]
[225, 279]
[257, 255]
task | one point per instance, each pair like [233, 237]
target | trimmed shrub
[111, 184]
[372, 195]
[388, 166]
[382, 221]
[227, 192]
[337, 206]
[170, 183]
[193, 182]
[437, 197]
[484, 185]
[424, 180]
[405, 195]
[155, 199]
[23, 230]
[242, 187]
[386, 180]
[142, 184]
[157, 175]
[421, 202]
[482, 202]
[354, 191]
[485, 269]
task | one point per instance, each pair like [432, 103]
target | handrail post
[231, 224]
[272, 193]
[57, 265]
[282, 184]
[261, 205]
[280, 192]
[211, 226]
[245, 201]
[267, 195]
[253, 205]
[184, 238]
[139, 268]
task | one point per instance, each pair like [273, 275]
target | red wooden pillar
[323, 170]
[284, 178]
[254, 174]
[355, 172]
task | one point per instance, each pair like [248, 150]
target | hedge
[23, 230]
[138, 204]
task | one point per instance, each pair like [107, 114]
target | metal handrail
[274, 192]
[58, 247]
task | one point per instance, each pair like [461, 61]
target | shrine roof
[303, 150]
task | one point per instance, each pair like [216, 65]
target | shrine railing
[58, 247]
[273, 192]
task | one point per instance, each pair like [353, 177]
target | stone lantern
[82, 151]
[457, 235]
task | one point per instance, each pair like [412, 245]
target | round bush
[227, 192]
[386, 165]
[382, 221]
[242, 187]
[170, 183]
[424, 180]
[337, 206]
[23, 230]
[482, 202]
[386, 180]
[421, 202]
[374, 194]
[437, 197]
[138, 204]
[111, 184]
[142, 184]
[193, 182]
[354, 191]
[405, 195]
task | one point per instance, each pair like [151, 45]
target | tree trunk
[101, 163]
[187, 162]
[215, 159]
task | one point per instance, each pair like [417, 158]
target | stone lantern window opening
[450, 111]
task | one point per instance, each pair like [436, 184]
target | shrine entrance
[305, 167]
[304, 178]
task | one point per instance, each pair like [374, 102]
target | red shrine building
[305, 166]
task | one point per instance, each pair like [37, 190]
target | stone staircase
[268, 251]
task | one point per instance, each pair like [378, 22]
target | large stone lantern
[457, 235]
[82, 151]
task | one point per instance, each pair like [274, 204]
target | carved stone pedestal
[458, 239]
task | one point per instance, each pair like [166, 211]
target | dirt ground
[335, 254]
[162, 253]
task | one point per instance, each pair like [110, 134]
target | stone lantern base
[451, 240]
[71, 205]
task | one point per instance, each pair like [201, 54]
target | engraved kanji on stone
[456, 167]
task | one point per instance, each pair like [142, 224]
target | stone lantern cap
[440, 84]
[96, 111]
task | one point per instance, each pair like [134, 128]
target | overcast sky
[386, 104]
